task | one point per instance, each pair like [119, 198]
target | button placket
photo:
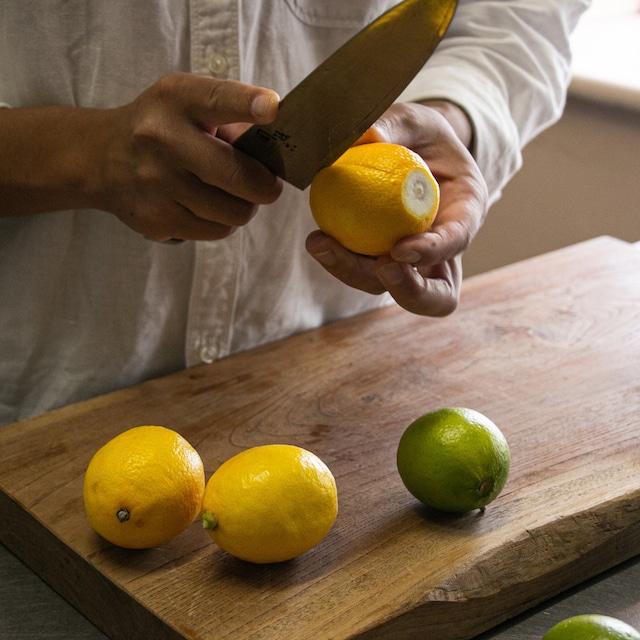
[218, 65]
[214, 38]
[208, 350]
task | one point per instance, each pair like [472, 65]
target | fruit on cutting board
[270, 503]
[592, 626]
[374, 195]
[454, 460]
[143, 487]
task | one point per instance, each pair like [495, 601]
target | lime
[454, 460]
[592, 626]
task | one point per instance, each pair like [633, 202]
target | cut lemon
[374, 195]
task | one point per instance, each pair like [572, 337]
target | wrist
[47, 161]
[457, 118]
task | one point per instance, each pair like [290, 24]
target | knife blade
[322, 116]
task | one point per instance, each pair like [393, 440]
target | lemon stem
[123, 515]
[209, 520]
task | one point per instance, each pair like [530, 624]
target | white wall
[580, 179]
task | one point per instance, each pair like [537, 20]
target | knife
[320, 118]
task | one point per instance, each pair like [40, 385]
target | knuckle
[167, 85]
[223, 232]
[250, 180]
[150, 123]
[149, 130]
[228, 99]
[148, 175]
[448, 306]
[244, 213]
[215, 97]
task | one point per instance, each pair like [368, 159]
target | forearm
[47, 160]
[507, 64]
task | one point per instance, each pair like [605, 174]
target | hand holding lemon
[422, 271]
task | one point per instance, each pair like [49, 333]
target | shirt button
[218, 64]
[208, 353]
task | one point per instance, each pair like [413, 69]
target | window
[613, 8]
[606, 51]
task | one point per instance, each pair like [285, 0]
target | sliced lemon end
[419, 193]
[209, 521]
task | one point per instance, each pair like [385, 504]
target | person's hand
[423, 273]
[170, 171]
[163, 164]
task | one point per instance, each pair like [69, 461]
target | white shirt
[89, 306]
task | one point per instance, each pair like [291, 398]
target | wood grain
[547, 348]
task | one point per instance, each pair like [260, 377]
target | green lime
[592, 626]
[454, 460]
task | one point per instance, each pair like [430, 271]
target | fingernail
[391, 274]
[263, 104]
[327, 258]
[411, 257]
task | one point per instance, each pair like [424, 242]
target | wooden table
[548, 348]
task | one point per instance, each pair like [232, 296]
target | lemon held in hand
[270, 503]
[143, 487]
[374, 195]
[592, 626]
[454, 460]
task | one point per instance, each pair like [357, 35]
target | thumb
[377, 132]
[214, 102]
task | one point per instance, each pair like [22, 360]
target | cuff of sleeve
[496, 141]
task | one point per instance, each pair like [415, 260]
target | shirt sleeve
[507, 64]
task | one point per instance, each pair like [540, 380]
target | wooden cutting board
[548, 348]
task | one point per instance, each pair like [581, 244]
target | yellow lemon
[592, 626]
[454, 460]
[270, 503]
[143, 487]
[374, 195]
